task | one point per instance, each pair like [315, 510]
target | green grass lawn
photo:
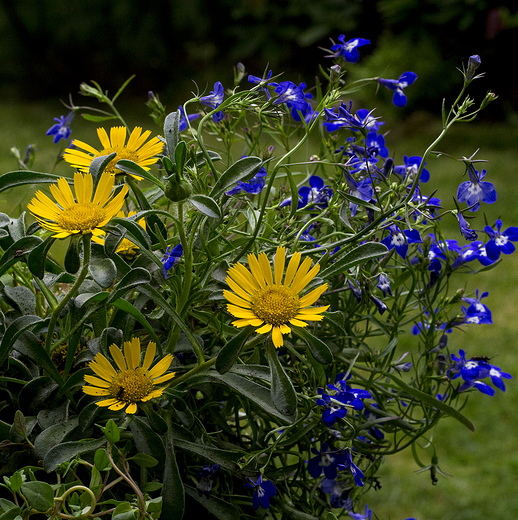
[482, 464]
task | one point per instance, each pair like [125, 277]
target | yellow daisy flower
[130, 383]
[83, 214]
[126, 247]
[136, 149]
[263, 300]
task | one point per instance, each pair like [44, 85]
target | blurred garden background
[173, 47]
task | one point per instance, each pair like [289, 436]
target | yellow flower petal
[280, 260]
[149, 355]
[117, 356]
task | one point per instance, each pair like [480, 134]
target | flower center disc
[275, 304]
[131, 386]
[122, 153]
[81, 217]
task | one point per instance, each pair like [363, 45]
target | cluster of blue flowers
[473, 370]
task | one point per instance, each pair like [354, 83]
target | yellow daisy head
[85, 213]
[126, 247]
[130, 382]
[263, 299]
[136, 149]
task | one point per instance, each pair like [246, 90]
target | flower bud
[177, 189]
[87, 90]
[334, 72]
[473, 65]
[490, 97]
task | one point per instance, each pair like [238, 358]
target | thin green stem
[68, 296]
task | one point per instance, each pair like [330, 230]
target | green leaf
[431, 401]
[53, 435]
[112, 432]
[103, 271]
[225, 458]
[161, 302]
[124, 511]
[206, 205]
[317, 347]
[130, 309]
[99, 164]
[146, 439]
[22, 177]
[283, 394]
[21, 297]
[243, 169]
[30, 346]
[173, 493]
[15, 329]
[172, 132]
[38, 256]
[17, 250]
[134, 278]
[201, 159]
[228, 355]
[257, 394]
[66, 451]
[132, 168]
[179, 156]
[215, 506]
[144, 461]
[97, 119]
[40, 495]
[73, 255]
[16, 480]
[358, 201]
[357, 256]
[101, 460]
[134, 229]
[19, 424]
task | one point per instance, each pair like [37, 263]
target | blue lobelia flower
[411, 167]
[477, 312]
[380, 304]
[430, 205]
[325, 461]
[338, 400]
[359, 516]
[398, 85]
[473, 64]
[465, 229]
[475, 369]
[384, 285]
[61, 130]
[214, 99]
[376, 145]
[264, 490]
[361, 190]
[317, 193]
[348, 50]
[476, 190]
[500, 242]
[171, 258]
[253, 186]
[257, 79]
[184, 119]
[364, 166]
[307, 112]
[205, 476]
[399, 240]
[368, 121]
[339, 491]
[291, 94]
[343, 118]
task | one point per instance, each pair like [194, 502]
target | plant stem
[68, 296]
